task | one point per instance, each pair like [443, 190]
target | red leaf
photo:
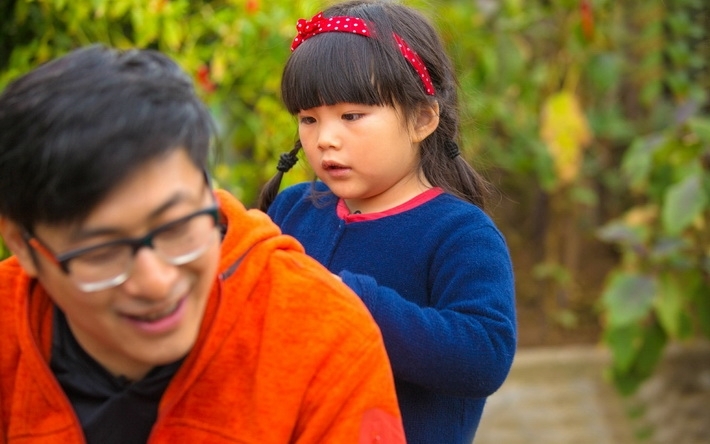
[587, 18]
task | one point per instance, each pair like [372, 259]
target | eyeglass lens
[177, 243]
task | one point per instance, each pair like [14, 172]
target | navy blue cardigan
[436, 275]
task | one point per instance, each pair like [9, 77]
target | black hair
[73, 129]
[336, 67]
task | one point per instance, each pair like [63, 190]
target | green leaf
[623, 343]
[146, 27]
[652, 343]
[172, 34]
[604, 71]
[620, 232]
[628, 297]
[670, 305]
[638, 160]
[668, 249]
[654, 340]
[701, 298]
[684, 201]
[701, 128]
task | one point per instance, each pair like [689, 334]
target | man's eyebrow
[177, 198]
[83, 234]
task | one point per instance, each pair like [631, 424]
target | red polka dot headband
[319, 24]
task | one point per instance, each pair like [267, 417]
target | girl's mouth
[330, 166]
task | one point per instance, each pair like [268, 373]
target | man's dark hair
[75, 128]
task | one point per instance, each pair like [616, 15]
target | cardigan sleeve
[464, 343]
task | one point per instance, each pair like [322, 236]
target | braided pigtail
[271, 189]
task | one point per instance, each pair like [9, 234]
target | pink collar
[344, 212]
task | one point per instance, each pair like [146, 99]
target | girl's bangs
[333, 68]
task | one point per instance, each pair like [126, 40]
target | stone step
[560, 396]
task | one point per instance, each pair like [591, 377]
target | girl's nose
[328, 136]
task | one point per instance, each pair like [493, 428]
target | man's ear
[11, 234]
[426, 122]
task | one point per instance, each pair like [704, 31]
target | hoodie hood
[245, 229]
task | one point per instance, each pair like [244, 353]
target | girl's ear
[426, 123]
[11, 234]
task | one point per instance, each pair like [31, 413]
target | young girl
[397, 212]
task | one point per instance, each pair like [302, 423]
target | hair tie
[286, 162]
[355, 25]
[452, 149]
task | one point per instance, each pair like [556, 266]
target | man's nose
[151, 277]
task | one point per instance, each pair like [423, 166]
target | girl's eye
[306, 120]
[351, 116]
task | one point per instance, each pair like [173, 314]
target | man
[142, 306]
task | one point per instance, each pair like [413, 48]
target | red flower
[203, 79]
[252, 6]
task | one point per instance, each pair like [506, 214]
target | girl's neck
[392, 197]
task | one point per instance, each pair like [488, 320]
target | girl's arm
[464, 343]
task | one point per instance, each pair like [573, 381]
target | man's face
[152, 318]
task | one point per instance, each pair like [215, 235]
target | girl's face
[367, 155]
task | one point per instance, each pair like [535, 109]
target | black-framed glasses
[109, 264]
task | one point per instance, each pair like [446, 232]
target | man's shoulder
[13, 281]
[286, 283]
[11, 275]
[304, 292]
[9, 265]
[307, 285]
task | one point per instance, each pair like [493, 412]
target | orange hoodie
[285, 354]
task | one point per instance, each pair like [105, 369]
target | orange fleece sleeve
[3, 432]
[351, 394]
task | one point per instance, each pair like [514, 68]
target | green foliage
[628, 298]
[662, 286]
[661, 289]
[635, 350]
[234, 49]
[3, 250]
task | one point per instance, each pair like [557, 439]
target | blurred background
[590, 118]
